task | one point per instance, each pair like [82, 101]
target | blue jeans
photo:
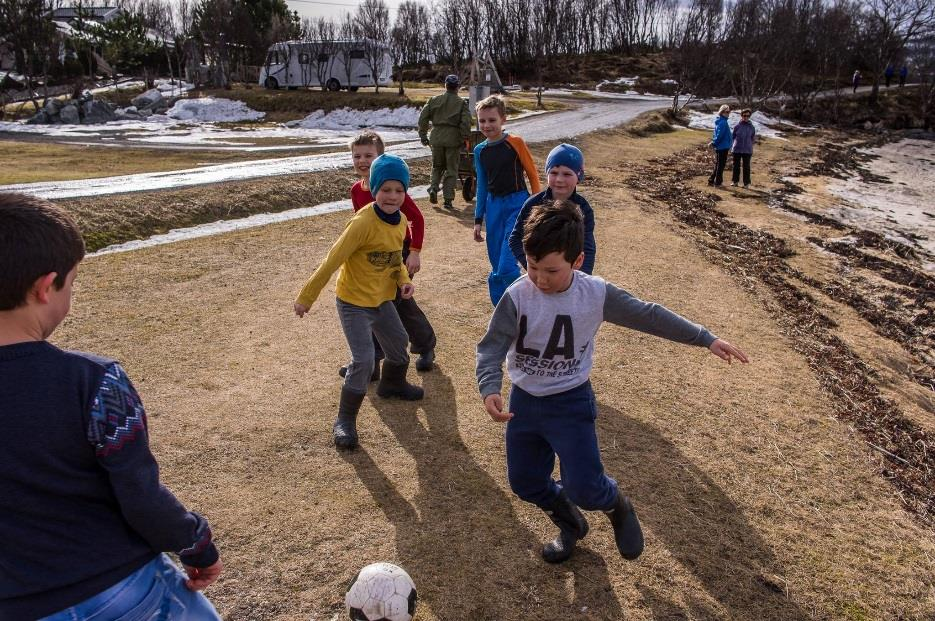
[154, 592]
[561, 424]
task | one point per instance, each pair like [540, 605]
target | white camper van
[336, 64]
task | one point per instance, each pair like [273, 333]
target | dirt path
[757, 502]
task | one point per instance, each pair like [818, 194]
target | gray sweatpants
[358, 322]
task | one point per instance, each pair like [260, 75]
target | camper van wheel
[467, 189]
[333, 85]
[293, 88]
[353, 89]
[271, 83]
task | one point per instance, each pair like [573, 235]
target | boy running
[564, 168]
[365, 148]
[499, 163]
[369, 253]
[544, 326]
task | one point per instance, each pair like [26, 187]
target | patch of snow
[173, 87]
[239, 224]
[618, 81]
[344, 118]
[669, 81]
[765, 125]
[213, 110]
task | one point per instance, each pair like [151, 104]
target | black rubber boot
[345, 427]
[394, 384]
[627, 531]
[374, 377]
[448, 205]
[425, 361]
[572, 527]
[433, 196]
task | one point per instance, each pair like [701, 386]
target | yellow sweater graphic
[369, 253]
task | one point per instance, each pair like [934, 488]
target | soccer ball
[381, 592]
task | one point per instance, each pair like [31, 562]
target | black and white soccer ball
[381, 592]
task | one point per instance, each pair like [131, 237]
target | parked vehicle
[334, 64]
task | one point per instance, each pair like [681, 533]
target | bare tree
[373, 23]
[889, 27]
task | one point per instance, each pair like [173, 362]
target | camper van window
[303, 58]
[357, 54]
[272, 58]
[322, 58]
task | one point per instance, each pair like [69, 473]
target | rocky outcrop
[88, 111]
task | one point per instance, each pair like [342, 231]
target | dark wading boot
[394, 384]
[572, 527]
[627, 531]
[433, 196]
[425, 361]
[345, 427]
[374, 377]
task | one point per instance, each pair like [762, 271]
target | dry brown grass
[756, 502]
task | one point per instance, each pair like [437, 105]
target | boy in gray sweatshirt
[544, 326]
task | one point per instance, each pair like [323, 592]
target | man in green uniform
[451, 126]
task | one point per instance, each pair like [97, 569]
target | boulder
[97, 112]
[69, 115]
[39, 118]
[53, 107]
[150, 99]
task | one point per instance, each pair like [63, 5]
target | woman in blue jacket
[721, 142]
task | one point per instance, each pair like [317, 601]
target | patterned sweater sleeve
[117, 430]
[628, 311]
[493, 348]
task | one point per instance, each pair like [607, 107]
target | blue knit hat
[566, 155]
[388, 168]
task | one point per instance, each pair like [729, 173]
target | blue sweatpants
[561, 424]
[501, 218]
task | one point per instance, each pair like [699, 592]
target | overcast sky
[332, 8]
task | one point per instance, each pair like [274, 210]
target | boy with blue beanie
[545, 326]
[500, 163]
[564, 168]
[369, 253]
[84, 519]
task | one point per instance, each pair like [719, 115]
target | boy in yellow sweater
[369, 253]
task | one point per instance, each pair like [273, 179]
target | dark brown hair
[556, 226]
[368, 137]
[36, 238]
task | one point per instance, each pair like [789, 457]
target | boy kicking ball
[544, 326]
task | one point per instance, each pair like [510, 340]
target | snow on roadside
[618, 82]
[765, 125]
[345, 118]
[212, 110]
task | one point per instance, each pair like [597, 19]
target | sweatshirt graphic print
[547, 339]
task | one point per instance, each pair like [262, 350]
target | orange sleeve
[525, 158]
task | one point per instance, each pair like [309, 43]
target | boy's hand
[406, 291]
[494, 405]
[413, 263]
[201, 577]
[425, 141]
[725, 351]
[300, 309]
[477, 236]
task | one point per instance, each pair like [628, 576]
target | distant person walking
[903, 74]
[720, 142]
[742, 148]
[855, 81]
[451, 125]
[888, 73]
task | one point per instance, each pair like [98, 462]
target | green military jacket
[450, 118]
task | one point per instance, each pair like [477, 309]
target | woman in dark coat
[742, 147]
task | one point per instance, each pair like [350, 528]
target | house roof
[90, 12]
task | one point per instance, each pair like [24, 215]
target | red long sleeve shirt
[360, 198]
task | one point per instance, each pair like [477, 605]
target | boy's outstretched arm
[516, 235]
[347, 243]
[480, 198]
[491, 351]
[117, 429]
[625, 310]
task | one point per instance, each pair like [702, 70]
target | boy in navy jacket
[84, 520]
